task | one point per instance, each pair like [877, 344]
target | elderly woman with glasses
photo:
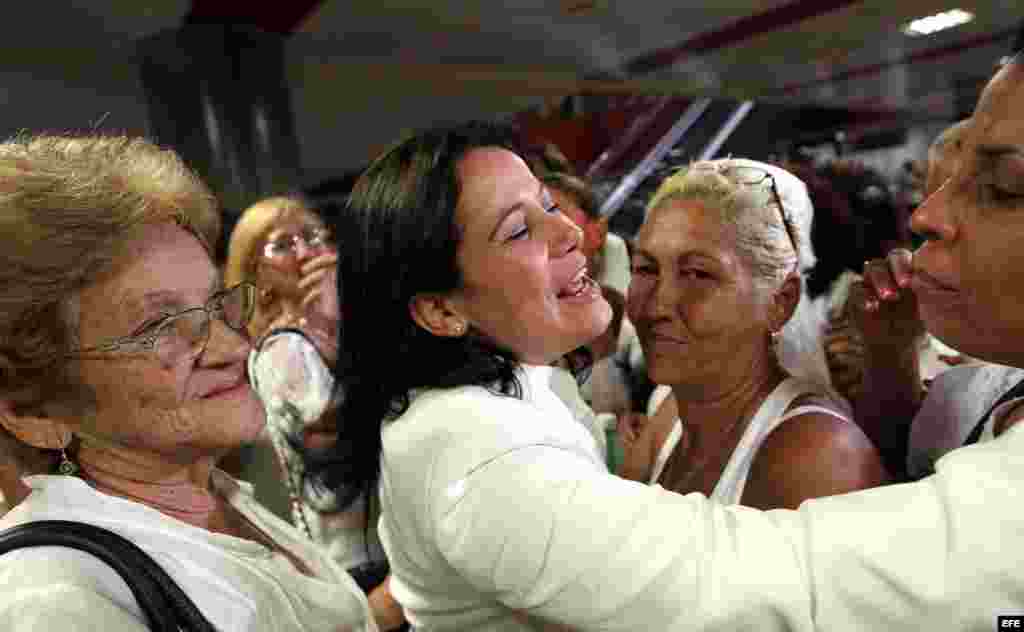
[282, 246]
[715, 280]
[122, 353]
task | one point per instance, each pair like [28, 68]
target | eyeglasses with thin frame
[752, 176]
[288, 243]
[185, 334]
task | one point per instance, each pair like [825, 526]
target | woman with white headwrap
[717, 300]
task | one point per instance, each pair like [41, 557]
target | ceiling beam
[927, 55]
[438, 78]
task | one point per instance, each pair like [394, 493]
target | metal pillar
[724, 132]
[217, 94]
[632, 180]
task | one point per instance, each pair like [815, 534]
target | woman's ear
[38, 432]
[437, 314]
[785, 301]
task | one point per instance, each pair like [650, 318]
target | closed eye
[1000, 196]
[696, 274]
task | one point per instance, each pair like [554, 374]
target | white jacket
[493, 505]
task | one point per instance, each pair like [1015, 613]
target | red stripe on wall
[921, 56]
[740, 30]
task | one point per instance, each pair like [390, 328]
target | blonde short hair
[251, 230]
[769, 247]
[68, 207]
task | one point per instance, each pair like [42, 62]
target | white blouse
[497, 517]
[238, 585]
[772, 413]
[295, 386]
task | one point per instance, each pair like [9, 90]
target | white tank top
[771, 414]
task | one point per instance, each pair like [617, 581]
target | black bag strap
[167, 608]
[1016, 391]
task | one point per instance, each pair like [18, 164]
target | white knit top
[773, 412]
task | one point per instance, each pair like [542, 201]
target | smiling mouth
[225, 389]
[579, 284]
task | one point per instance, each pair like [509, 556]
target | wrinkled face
[198, 407]
[296, 238]
[523, 284]
[697, 310]
[967, 273]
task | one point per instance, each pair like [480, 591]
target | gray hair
[770, 239]
[68, 206]
[763, 241]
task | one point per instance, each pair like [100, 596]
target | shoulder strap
[166, 606]
[1016, 391]
[283, 330]
[807, 409]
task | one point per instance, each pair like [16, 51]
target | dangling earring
[773, 336]
[67, 467]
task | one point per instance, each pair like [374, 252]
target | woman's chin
[596, 323]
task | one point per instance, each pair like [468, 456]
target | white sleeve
[569, 545]
[543, 532]
[63, 607]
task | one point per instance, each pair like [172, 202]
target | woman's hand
[882, 307]
[642, 438]
[844, 354]
[318, 285]
[635, 433]
[312, 275]
[884, 312]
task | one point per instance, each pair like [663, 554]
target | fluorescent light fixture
[938, 22]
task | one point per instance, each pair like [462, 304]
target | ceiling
[362, 56]
[845, 52]
[831, 51]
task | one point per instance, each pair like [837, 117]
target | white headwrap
[800, 351]
[796, 202]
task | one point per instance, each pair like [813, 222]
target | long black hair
[397, 238]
